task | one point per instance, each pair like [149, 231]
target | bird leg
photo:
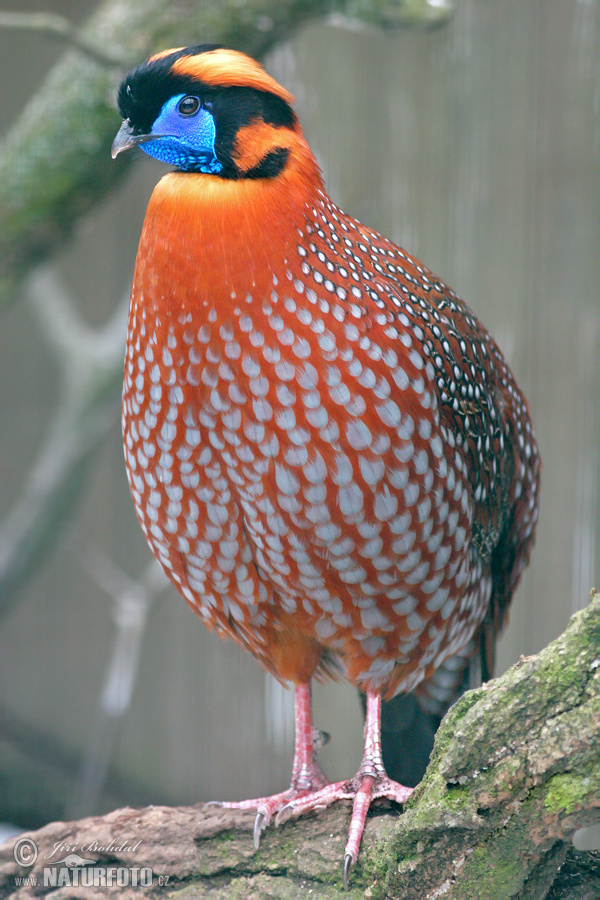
[307, 776]
[370, 783]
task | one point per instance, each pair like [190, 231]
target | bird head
[207, 109]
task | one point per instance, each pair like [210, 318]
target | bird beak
[126, 138]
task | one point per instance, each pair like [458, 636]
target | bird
[327, 451]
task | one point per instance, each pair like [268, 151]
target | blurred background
[472, 138]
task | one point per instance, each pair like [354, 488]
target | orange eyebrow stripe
[228, 68]
[164, 53]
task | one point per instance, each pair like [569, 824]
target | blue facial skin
[185, 141]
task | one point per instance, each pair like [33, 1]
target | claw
[260, 823]
[282, 814]
[348, 862]
[309, 790]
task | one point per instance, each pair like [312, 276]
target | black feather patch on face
[235, 107]
[273, 164]
[144, 91]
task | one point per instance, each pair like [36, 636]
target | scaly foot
[310, 789]
[307, 777]
[362, 790]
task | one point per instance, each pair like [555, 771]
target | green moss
[492, 875]
[450, 721]
[374, 866]
[566, 792]
[223, 837]
[457, 798]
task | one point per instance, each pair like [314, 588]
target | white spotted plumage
[370, 545]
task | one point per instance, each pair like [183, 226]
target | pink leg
[370, 783]
[307, 776]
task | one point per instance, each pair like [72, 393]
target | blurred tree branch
[132, 603]
[91, 361]
[55, 163]
[514, 773]
[59, 27]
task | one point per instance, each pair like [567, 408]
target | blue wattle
[175, 152]
[187, 142]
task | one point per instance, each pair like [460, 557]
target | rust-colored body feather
[220, 285]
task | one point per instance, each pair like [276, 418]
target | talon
[260, 823]
[216, 803]
[348, 862]
[281, 817]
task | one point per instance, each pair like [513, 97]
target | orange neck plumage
[205, 236]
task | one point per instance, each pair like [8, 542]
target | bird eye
[189, 105]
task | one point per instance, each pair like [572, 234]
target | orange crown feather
[226, 68]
